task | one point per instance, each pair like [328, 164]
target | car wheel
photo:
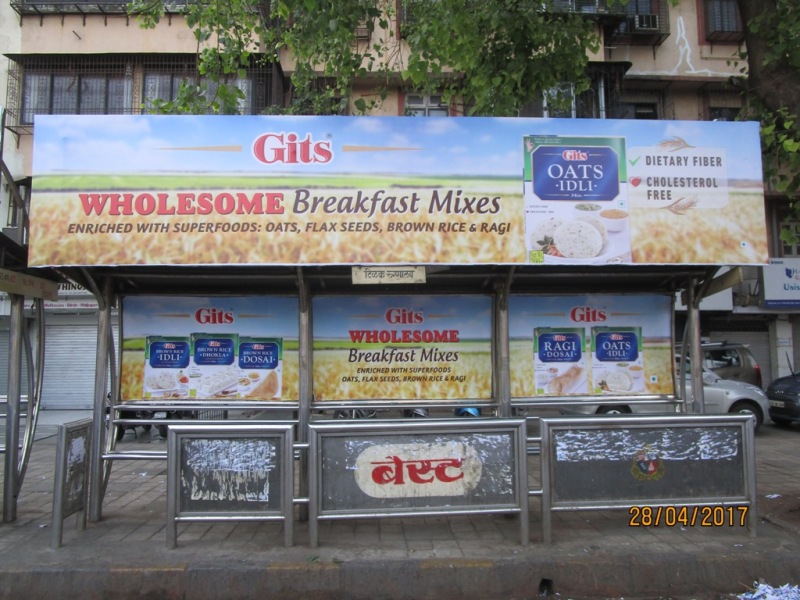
[162, 431]
[120, 433]
[613, 410]
[748, 408]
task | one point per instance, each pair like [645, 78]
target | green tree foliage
[772, 88]
[505, 52]
[226, 33]
[495, 55]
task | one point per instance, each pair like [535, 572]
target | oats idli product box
[576, 200]
[166, 362]
[617, 360]
[560, 361]
[214, 371]
[260, 366]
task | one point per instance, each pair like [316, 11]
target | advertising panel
[402, 347]
[209, 190]
[782, 283]
[590, 344]
[209, 348]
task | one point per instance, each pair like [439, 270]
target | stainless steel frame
[284, 433]
[747, 496]
[65, 505]
[445, 427]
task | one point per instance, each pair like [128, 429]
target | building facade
[657, 61]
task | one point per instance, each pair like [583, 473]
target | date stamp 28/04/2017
[687, 516]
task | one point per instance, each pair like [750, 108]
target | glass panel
[245, 104]
[157, 86]
[65, 94]
[721, 15]
[93, 96]
[35, 96]
[119, 95]
[716, 113]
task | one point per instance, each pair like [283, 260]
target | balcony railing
[45, 7]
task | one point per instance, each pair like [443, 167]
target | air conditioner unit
[645, 23]
[362, 32]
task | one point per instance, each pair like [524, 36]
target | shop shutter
[70, 356]
[757, 342]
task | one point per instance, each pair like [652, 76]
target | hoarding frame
[176, 513]
[515, 429]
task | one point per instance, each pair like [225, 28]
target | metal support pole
[305, 387]
[11, 472]
[100, 377]
[503, 348]
[693, 316]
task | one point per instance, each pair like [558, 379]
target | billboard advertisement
[402, 347]
[782, 283]
[209, 348]
[591, 344]
[216, 190]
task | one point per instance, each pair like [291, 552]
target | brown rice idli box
[166, 362]
[559, 361]
[617, 360]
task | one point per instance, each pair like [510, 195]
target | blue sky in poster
[652, 312]
[444, 146]
[267, 316]
[334, 316]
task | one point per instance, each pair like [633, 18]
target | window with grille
[163, 84]
[721, 102]
[722, 20]
[793, 228]
[426, 105]
[125, 84]
[75, 93]
[562, 102]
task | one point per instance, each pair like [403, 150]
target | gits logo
[213, 316]
[587, 314]
[573, 155]
[289, 149]
[403, 316]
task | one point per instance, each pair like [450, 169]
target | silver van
[730, 360]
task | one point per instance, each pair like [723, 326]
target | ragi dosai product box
[559, 361]
[617, 360]
[214, 370]
[166, 362]
[261, 367]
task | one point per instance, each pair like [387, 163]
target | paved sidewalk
[593, 554]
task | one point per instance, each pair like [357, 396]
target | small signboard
[389, 468]
[23, 284]
[71, 487]
[230, 472]
[388, 275]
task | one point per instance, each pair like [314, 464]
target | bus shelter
[326, 264]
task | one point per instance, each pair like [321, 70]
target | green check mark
[634, 161]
